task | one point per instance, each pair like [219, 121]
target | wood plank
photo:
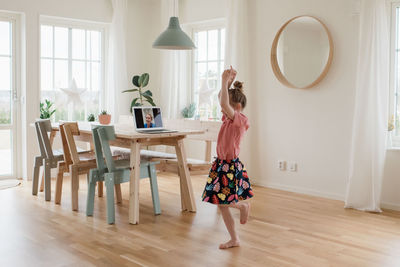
[185, 181]
[284, 229]
[134, 183]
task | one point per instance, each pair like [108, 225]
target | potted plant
[45, 109]
[189, 111]
[91, 117]
[140, 82]
[104, 117]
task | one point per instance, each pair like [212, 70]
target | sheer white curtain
[236, 45]
[371, 109]
[117, 76]
[175, 91]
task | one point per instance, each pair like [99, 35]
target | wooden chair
[75, 162]
[48, 158]
[115, 172]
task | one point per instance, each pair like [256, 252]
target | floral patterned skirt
[227, 182]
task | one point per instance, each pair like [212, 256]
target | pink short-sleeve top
[230, 135]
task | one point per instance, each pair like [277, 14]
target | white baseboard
[390, 206]
[300, 190]
[306, 191]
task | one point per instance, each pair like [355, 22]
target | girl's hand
[228, 76]
[232, 76]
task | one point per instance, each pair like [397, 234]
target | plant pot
[105, 119]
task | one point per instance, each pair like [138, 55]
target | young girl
[228, 182]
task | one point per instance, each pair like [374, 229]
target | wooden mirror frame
[274, 59]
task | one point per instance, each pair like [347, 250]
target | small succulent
[189, 111]
[91, 117]
[45, 109]
[140, 82]
[103, 112]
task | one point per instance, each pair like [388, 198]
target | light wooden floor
[285, 229]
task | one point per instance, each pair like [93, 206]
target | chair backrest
[102, 135]
[67, 132]
[210, 128]
[43, 127]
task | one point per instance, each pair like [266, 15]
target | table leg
[186, 184]
[134, 183]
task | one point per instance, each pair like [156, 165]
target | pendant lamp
[173, 37]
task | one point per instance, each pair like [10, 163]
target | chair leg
[59, 184]
[47, 180]
[92, 177]
[35, 179]
[154, 190]
[109, 181]
[118, 193]
[41, 175]
[100, 188]
[74, 187]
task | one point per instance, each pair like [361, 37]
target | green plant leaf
[135, 80]
[141, 80]
[134, 103]
[150, 100]
[147, 93]
[130, 90]
[144, 79]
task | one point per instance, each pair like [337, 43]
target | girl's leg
[244, 208]
[230, 226]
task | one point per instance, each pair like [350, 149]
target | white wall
[311, 127]
[191, 11]
[144, 26]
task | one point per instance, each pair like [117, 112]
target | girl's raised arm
[227, 78]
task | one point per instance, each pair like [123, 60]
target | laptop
[149, 120]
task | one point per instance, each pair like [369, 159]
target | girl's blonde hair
[236, 94]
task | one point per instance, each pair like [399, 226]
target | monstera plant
[144, 96]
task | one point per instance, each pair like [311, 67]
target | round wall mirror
[302, 52]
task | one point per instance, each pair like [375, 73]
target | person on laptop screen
[147, 118]
[149, 121]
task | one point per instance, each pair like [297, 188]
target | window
[8, 96]
[72, 54]
[208, 67]
[395, 77]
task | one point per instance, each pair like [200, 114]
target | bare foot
[244, 212]
[230, 244]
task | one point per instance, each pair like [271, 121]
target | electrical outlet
[281, 165]
[293, 166]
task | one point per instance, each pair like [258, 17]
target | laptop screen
[147, 117]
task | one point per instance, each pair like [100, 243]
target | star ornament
[205, 93]
[73, 93]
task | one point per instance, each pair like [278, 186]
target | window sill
[393, 148]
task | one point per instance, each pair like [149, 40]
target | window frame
[394, 92]
[208, 25]
[84, 25]
[15, 18]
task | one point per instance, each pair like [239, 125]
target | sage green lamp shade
[174, 38]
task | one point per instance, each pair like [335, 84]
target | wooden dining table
[127, 137]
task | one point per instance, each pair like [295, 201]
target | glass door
[8, 98]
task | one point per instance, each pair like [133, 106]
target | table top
[127, 131]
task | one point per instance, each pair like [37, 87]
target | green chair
[115, 172]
